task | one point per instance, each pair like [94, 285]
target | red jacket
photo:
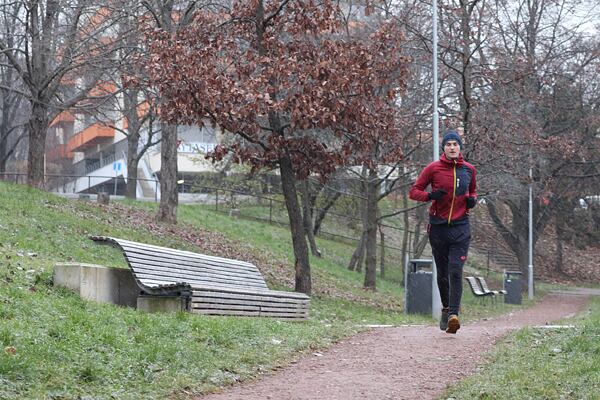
[457, 178]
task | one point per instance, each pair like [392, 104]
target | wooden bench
[209, 285]
[486, 288]
[476, 290]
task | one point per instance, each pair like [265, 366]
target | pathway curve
[416, 362]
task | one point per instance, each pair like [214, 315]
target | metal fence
[84, 184]
[346, 227]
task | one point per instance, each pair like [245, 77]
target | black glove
[438, 194]
[471, 202]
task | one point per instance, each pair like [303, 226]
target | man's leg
[439, 248]
[455, 285]
[457, 255]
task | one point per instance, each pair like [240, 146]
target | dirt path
[416, 362]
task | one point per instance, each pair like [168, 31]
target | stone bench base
[98, 283]
[153, 304]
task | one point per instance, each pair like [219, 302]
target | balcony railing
[90, 136]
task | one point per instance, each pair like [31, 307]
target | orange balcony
[59, 152]
[64, 116]
[103, 89]
[90, 136]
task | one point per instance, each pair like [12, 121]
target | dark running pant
[450, 245]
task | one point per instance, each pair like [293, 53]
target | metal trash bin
[417, 286]
[513, 284]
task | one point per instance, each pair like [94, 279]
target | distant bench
[476, 290]
[486, 289]
[480, 289]
[209, 285]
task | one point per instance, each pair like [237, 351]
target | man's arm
[473, 185]
[472, 199]
[417, 191]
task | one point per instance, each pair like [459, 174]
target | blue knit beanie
[452, 135]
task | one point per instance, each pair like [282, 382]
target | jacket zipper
[453, 194]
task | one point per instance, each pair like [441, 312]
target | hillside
[57, 346]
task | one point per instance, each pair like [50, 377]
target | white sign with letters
[195, 147]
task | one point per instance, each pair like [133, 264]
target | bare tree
[59, 42]
[132, 100]
[11, 89]
[169, 15]
[535, 114]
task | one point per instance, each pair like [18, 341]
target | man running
[453, 185]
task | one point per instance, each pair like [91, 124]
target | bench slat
[227, 312]
[250, 313]
[153, 279]
[193, 265]
[144, 272]
[175, 270]
[249, 307]
[213, 306]
[274, 293]
[266, 304]
[225, 265]
[263, 303]
[236, 296]
[132, 246]
[280, 315]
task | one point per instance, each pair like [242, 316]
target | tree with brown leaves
[280, 76]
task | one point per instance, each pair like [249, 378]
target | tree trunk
[595, 213]
[357, 258]
[307, 217]
[37, 128]
[132, 166]
[167, 211]
[371, 229]
[3, 157]
[517, 236]
[381, 251]
[560, 230]
[420, 241]
[3, 130]
[466, 54]
[420, 246]
[301, 263]
[323, 211]
[130, 106]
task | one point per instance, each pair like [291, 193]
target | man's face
[451, 149]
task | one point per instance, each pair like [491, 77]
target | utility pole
[530, 267]
[436, 302]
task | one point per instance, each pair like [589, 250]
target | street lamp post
[436, 127]
[530, 267]
[436, 302]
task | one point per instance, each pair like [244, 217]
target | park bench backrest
[161, 269]
[484, 285]
[475, 286]
[486, 288]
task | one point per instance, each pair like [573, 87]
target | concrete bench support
[153, 304]
[98, 283]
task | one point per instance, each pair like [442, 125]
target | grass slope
[534, 363]
[56, 346]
